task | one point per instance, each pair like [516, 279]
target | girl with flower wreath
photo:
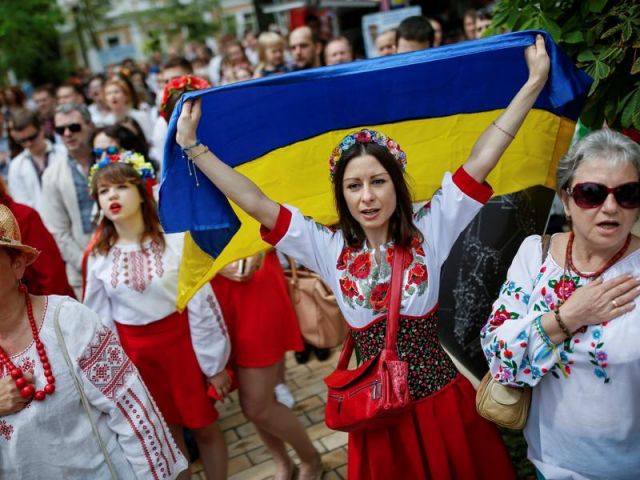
[441, 436]
[131, 282]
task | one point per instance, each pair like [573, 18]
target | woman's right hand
[600, 301]
[187, 126]
[10, 399]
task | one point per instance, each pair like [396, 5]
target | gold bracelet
[193, 157]
[503, 130]
[561, 324]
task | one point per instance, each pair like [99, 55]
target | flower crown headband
[185, 83]
[366, 136]
[143, 168]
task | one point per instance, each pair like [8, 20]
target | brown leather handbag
[321, 323]
[373, 395]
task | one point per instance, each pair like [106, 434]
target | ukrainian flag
[279, 131]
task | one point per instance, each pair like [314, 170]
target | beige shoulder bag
[506, 406]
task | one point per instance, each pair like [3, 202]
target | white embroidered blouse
[359, 283]
[137, 286]
[53, 438]
[585, 424]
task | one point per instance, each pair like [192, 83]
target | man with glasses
[67, 205]
[27, 168]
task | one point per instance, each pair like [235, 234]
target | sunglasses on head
[592, 195]
[110, 150]
[30, 138]
[73, 128]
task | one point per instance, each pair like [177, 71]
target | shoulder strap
[395, 296]
[546, 244]
[83, 397]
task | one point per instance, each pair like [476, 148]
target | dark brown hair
[115, 174]
[24, 118]
[401, 226]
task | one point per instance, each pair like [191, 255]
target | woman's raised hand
[538, 61]
[186, 131]
[600, 301]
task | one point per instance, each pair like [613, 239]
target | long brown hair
[116, 174]
[401, 226]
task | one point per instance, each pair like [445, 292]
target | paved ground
[249, 460]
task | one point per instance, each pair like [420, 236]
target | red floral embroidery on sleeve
[105, 364]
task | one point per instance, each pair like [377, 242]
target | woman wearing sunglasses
[568, 324]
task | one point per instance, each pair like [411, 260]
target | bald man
[305, 49]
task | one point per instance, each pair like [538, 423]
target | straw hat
[10, 235]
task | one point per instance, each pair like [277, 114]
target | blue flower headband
[366, 136]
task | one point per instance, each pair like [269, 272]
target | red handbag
[374, 394]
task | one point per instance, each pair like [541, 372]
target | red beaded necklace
[601, 270]
[27, 390]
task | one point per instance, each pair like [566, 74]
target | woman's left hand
[538, 61]
[222, 383]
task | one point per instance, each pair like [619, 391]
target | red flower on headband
[181, 84]
[363, 136]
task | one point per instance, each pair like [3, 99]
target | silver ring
[615, 305]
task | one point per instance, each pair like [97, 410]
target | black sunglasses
[110, 150]
[73, 128]
[30, 138]
[592, 195]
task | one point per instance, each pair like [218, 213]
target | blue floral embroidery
[598, 357]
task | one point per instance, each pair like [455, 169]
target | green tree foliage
[29, 40]
[602, 37]
[172, 16]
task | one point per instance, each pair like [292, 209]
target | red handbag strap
[393, 314]
[395, 297]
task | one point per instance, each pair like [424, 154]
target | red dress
[261, 321]
[442, 437]
[47, 275]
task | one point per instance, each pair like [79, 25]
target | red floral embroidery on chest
[365, 282]
[136, 269]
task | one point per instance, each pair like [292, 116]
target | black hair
[416, 29]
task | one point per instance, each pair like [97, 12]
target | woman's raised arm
[235, 186]
[496, 138]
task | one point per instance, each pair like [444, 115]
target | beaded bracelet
[561, 324]
[189, 147]
[503, 130]
[540, 329]
[554, 348]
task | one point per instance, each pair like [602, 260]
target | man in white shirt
[27, 168]
[68, 208]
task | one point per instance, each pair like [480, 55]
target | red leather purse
[374, 394]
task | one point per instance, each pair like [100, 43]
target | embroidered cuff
[280, 228]
[481, 192]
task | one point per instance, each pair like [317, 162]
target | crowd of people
[79, 167]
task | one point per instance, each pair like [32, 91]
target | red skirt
[163, 353]
[259, 315]
[442, 438]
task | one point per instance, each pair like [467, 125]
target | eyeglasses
[110, 150]
[592, 195]
[73, 128]
[30, 138]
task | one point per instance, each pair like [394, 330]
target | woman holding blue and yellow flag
[441, 436]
